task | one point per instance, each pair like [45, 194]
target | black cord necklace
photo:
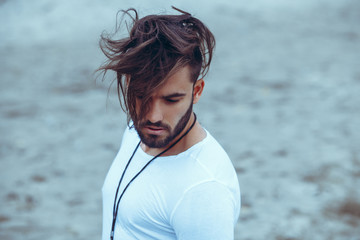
[116, 204]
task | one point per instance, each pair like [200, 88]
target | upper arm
[206, 211]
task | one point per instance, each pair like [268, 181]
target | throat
[150, 151]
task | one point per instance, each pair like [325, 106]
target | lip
[154, 130]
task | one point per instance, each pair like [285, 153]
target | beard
[155, 141]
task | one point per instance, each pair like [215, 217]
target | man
[170, 179]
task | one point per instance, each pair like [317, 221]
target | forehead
[179, 82]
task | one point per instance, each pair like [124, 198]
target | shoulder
[129, 136]
[213, 158]
[207, 162]
[130, 131]
[212, 148]
[208, 210]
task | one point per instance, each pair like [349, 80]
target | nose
[155, 113]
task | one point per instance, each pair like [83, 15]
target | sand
[282, 97]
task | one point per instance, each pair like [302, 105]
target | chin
[156, 142]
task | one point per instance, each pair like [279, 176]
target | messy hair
[157, 46]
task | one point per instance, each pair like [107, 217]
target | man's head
[159, 49]
[169, 109]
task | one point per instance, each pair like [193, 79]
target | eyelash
[171, 101]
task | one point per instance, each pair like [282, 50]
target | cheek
[176, 112]
[172, 113]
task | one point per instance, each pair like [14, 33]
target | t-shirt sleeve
[206, 211]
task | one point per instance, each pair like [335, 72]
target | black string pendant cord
[116, 204]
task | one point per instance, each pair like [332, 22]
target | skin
[170, 107]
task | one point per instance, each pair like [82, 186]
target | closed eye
[171, 100]
[174, 98]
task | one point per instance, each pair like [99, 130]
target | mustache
[157, 124]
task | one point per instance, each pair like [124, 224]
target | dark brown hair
[157, 46]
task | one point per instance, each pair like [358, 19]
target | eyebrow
[174, 95]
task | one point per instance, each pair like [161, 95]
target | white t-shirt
[192, 195]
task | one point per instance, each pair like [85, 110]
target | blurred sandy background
[282, 97]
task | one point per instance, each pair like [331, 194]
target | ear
[198, 89]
